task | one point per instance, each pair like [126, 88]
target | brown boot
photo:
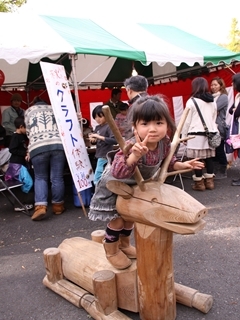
[58, 208]
[198, 183]
[209, 183]
[127, 248]
[115, 256]
[39, 212]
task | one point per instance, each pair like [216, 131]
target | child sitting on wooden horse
[150, 145]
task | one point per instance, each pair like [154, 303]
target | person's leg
[125, 245]
[57, 165]
[222, 168]
[101, 162]
[198, 181]
[111, 245]
[209, 175]
[40, 166]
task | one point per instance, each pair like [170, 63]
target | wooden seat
[6, 190]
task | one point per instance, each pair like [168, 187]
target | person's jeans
[44, 164]
[101, 162]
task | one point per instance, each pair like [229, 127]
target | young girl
[104, 139]
[150, 146]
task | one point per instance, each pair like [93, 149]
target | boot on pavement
[198, 183]
[58, 208]
[209, 180]
[39, 212]
[115, 256]
[126, 247]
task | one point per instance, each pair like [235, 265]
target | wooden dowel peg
[98, 235]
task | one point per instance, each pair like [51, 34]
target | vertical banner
[68, 125]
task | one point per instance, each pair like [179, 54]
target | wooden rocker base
[90, 282]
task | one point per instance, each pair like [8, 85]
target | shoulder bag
[234, 136]
[214, 138]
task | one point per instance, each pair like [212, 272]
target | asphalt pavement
[208, 261]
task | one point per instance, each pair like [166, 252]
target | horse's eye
[154, 201]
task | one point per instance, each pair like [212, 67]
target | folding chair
[7, 186]
[180, 158]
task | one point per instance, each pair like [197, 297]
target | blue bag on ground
[85, 194]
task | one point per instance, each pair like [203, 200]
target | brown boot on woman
[198, 183]
[209, 180]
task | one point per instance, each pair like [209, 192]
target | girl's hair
[97, 111]
[221, 82]
[236, 81]
[199, 86]
[150, 108]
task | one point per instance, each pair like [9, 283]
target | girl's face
[215, 86]
[155, 129]
[100, 120]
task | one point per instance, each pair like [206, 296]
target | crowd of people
[146, 125]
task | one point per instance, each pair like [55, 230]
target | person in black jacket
[19, 158]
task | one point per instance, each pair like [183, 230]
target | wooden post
[53, 265]
[81, 298]
[98, 235]
[193, 298]
[105, 291]
[156, 292]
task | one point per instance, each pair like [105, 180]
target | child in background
[121, 118]
[17, 169]
[150, 146]
[104, 139]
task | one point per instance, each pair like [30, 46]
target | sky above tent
[205, 19]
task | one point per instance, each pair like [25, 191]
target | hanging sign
[71, 134]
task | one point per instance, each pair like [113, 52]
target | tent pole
[73, 58]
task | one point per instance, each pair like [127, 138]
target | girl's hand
[93, 137]
[27, 157]
[194, 164]
[140, 148]
[190, 164]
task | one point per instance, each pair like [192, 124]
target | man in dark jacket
[136, 87]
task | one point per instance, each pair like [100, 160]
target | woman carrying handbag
[199, 146]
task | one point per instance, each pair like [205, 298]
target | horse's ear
[120, 188]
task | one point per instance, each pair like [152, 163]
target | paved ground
[208, 261]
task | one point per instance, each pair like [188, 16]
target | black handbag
[214, 138]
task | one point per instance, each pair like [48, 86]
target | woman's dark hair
[236, 82]
[221, 82]
[97, 111]
[150, 108]
[199, 86]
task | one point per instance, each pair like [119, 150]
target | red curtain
[169, 89]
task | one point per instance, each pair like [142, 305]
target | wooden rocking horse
[79, 271]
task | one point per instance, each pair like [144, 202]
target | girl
[220, 95]
[150, 146]
[199, 147]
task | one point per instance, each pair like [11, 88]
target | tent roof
[34, 37]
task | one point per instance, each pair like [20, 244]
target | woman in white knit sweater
[198, 147]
